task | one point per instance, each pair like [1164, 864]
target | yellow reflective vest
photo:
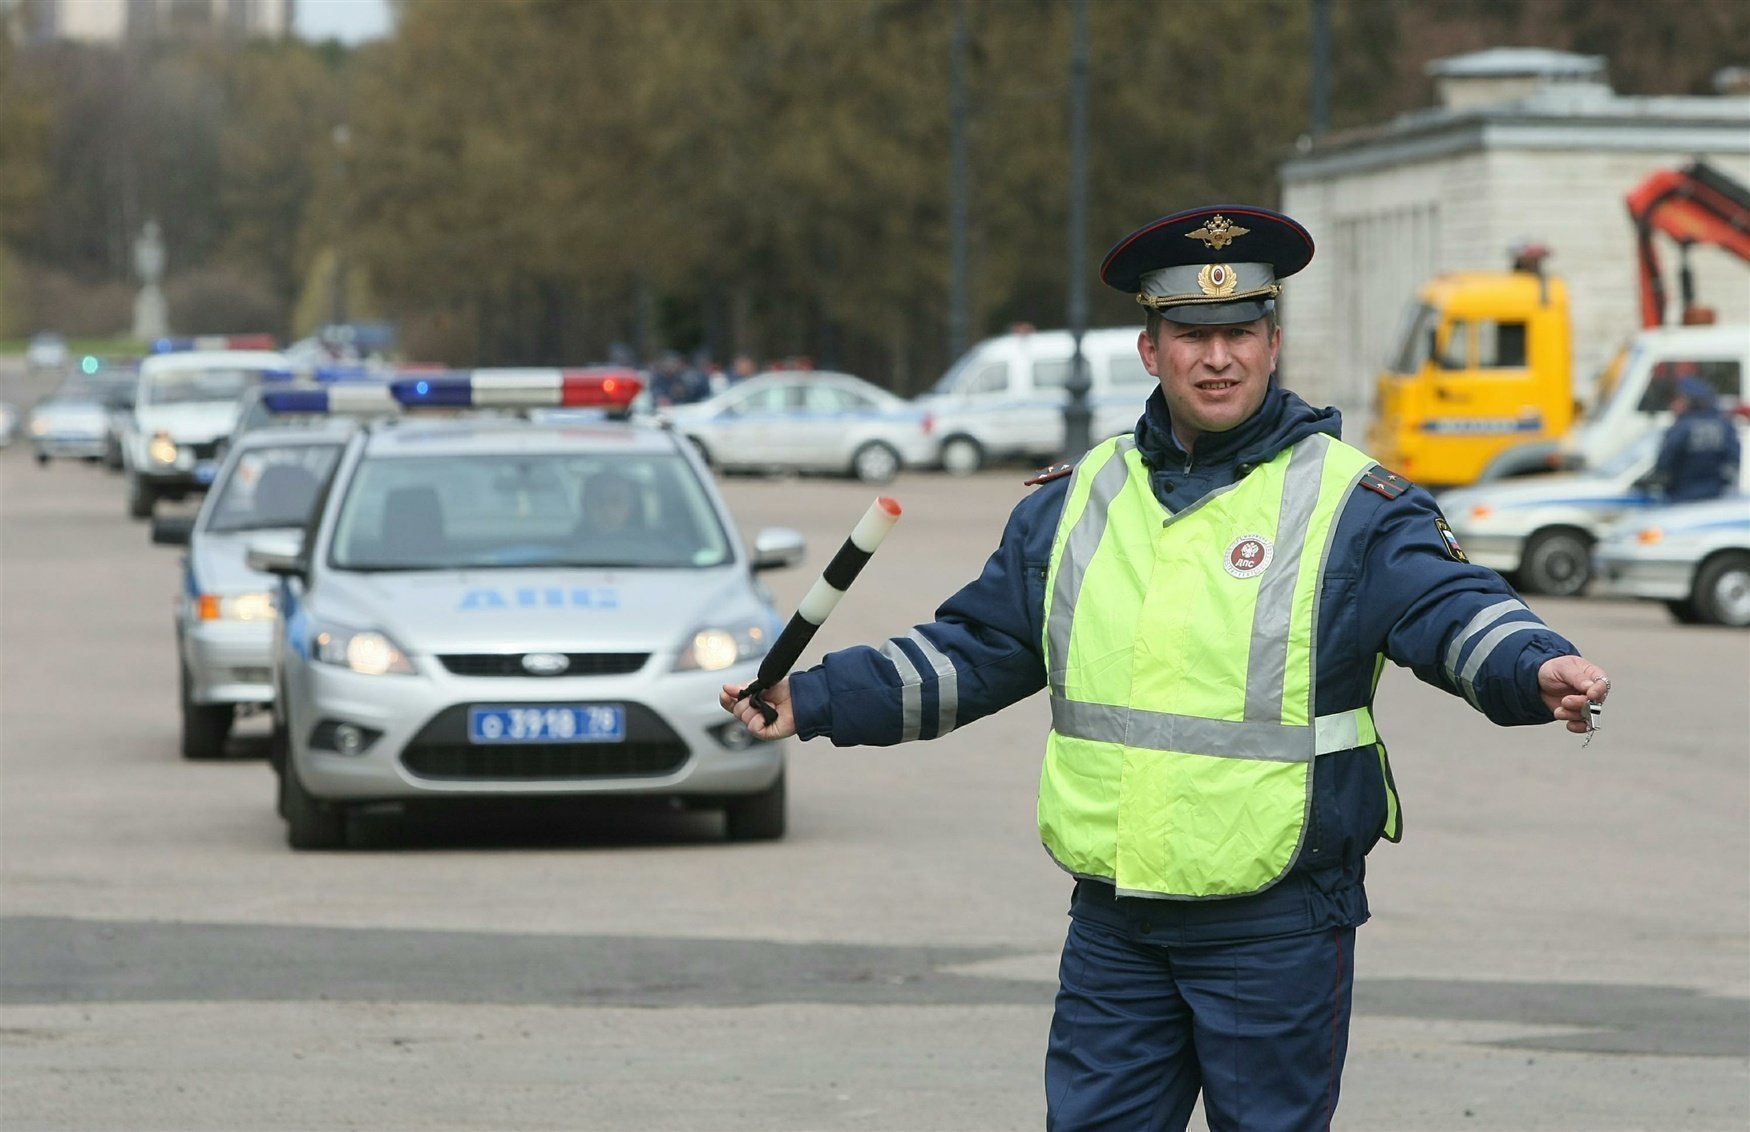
[1180, 657]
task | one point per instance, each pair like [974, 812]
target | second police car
[1694, 557]
[493, 608]
[224, 615]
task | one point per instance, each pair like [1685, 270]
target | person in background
[1699, 456]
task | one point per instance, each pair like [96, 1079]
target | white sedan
[1694, 557]
[806, 421]
[1541, 529]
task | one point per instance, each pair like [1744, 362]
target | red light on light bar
[614, 389]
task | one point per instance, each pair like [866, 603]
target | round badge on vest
[1248, 555]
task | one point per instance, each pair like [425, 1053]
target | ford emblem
[545, 663]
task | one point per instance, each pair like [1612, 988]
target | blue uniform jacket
[1698, 459]
[1394, 585]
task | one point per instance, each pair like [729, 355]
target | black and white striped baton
[820, 600]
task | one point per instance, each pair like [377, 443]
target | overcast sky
[347, 20]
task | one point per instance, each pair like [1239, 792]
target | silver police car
[225, 613]
[492, 609]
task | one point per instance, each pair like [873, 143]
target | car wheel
[961, 456]
[1558, 563]
[704, 452]
[141, 498]
[205, 727]
[42, 459]
[875, 462]
[279, 741]
[1722, 591]
[311, 823]
[1683, 612]
[757, 817]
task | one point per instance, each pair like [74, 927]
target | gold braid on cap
[1162, 302]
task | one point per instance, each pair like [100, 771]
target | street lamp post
[1077, 416]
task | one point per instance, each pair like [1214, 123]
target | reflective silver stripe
[1273, 615]
[1477, 624]
[947, 684]
[1194, 735]
[1480, 655]
[1084, 539]
[911, 696]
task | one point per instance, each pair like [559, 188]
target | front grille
[545, 760]
[205, 450]
[511, 663]
[441, 750]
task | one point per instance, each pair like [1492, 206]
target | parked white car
[1694, 557]
[1004, 398]
[808, 421]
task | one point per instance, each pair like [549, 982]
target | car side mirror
[775, 548]
[281, 555]
[172, 530]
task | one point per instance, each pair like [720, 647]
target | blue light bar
[444, 392]
[345, 397]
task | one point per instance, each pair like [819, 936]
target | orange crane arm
[1693, 205]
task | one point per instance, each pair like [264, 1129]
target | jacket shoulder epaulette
[1055, 472]
[1389, 484]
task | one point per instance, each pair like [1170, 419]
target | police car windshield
[272, 487]
[186, 386]
[509, 510]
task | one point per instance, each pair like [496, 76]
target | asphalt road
[1561, 942]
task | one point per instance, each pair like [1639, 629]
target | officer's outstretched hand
[778, 695]
[1566, 684]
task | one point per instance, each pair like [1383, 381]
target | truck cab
[1484, 362]
[1634, 393]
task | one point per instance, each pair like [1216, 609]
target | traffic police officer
[1698, 458]
[1209, 600]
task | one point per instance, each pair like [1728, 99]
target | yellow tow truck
[1483, 363]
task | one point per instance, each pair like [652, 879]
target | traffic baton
[820, 600]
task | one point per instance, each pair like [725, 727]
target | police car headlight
[364, 651]
[236, 607]
[712, 650]
[38, 426]
[162, 449]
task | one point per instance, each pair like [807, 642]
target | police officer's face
[1213, 377]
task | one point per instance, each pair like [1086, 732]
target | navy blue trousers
[1259, 1026]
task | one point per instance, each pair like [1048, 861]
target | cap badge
[1217, 232]
[1248, 555]
[1217, 279]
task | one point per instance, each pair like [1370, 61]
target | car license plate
[548, 723]
[204, 473]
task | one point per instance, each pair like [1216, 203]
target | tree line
[536, 181]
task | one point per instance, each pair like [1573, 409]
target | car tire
[962, 455]
[1557, 562]
[205, 727]
[1722, 591]
[279, 741]
[704, 452]
[875, 462]
[141, 498]
[311, 823]
[757, 817]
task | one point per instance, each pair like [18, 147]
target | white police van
[485, 609]
[1004, 399]
[187, 401]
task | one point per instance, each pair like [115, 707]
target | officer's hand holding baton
[764, 705]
